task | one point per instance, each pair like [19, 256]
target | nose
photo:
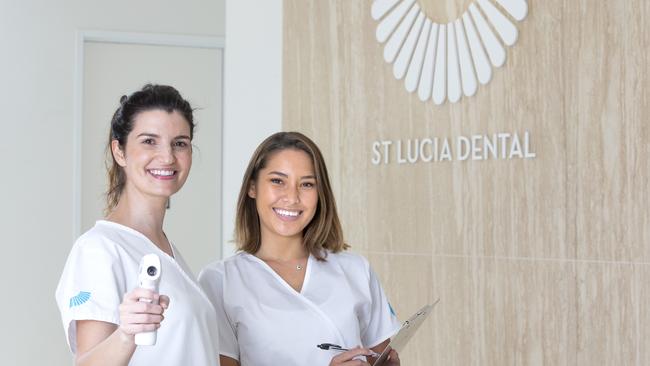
[292, 195]
[166, 155]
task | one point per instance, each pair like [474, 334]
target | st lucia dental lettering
[496, 146]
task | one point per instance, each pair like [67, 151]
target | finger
[349, 363]
[393, 358]
[164, 301]
[138, 328]
[140, 293]
[355, 363]
[146, 308]
[141, 319]
[349, 355]
[140, 308]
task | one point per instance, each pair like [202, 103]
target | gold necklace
[299, 266]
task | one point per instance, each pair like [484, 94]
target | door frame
[149, 39]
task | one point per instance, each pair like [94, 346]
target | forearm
[227, 361]
[116, 350]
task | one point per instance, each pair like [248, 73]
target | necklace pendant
[298, 267]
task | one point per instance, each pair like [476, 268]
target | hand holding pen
[348, 357]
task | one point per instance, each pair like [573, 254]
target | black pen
[336, 347]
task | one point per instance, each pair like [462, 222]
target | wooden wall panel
[534, 313]
[607, 100]
[461, 335]
[608, 315]
[520, 251]
[642, 273]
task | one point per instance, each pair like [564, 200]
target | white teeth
[165, 173]
[287, 213]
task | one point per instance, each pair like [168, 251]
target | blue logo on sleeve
[79, 299]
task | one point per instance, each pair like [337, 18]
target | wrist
[125, 338]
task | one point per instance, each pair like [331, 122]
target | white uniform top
[264, 321]
[103, 266]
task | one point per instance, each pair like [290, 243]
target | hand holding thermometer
[149, 278]
[335, 347]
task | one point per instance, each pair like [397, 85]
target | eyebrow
[181, 137]
[278, 173]
[286, 176]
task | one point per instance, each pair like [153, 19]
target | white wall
[253, 92]
[36, 99]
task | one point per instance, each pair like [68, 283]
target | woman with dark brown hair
[102, 304]
[292, 286]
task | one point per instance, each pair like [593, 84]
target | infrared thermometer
[149, 278]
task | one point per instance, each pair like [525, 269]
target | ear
[118, 153]
[252, 192]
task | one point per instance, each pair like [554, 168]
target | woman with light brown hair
[292, 285]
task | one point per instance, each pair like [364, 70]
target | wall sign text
[496, 146]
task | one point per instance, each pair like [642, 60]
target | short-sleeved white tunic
[103, 266]
[264, 321]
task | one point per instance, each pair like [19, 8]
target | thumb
[164, 301]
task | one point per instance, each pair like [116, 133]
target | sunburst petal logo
[446, 61]
[81, 298]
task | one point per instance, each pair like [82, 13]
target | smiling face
[286, 195]
[158, 154]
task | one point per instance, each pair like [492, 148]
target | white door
[193, 220]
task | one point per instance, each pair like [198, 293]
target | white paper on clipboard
[405, 333]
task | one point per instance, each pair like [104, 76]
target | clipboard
[405, 333]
